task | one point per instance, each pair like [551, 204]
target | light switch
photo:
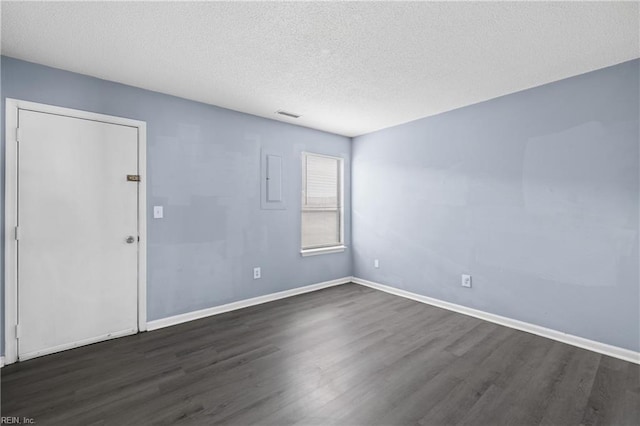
[158, 212]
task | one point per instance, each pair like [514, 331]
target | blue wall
[535, 194]
[204, 167]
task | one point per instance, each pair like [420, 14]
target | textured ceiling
[347, 68]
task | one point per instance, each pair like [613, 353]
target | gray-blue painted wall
[535, 194]
[204, 167]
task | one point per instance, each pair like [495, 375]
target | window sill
[322, 250]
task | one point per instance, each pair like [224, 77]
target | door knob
[130, 239]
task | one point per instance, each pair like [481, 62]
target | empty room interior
[320, 213]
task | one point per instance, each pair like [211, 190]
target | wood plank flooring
[347, 355]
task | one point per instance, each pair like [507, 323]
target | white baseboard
[1, 361]
[581, 342]
[215, 310]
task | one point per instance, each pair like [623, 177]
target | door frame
[11, 203]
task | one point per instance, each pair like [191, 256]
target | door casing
[11, 203]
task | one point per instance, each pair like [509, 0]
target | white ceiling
[348, 68]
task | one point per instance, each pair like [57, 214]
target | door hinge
[17, 233]
[133, 178]
[18, 331]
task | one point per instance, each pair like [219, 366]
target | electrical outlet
[466, 280]
[256, 273]
[376, 263]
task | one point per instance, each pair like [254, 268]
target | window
[322, 221]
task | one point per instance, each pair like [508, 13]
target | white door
[77, 232]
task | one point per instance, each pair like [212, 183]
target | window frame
[333, 248]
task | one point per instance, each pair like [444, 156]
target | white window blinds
[321, 201]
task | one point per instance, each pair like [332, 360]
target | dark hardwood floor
[347, 355]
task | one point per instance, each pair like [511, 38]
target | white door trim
[11, 203]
